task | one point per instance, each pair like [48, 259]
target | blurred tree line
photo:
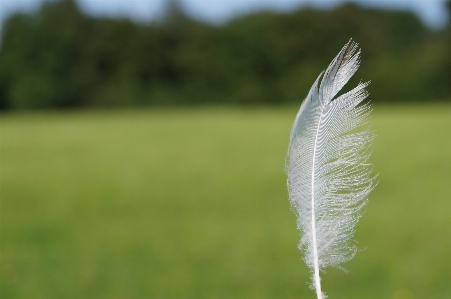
[60, 57]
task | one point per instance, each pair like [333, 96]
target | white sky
[430, 11]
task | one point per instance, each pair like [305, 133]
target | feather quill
[329, 177]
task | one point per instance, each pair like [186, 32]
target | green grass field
[193, 204]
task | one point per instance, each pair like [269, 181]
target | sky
[432, 12]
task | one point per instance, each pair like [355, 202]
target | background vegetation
[192, 204]
[59, 57]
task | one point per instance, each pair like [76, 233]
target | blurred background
[59, 55]
[142, 146]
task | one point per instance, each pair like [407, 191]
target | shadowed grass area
[193, 204]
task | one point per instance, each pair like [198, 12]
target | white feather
[329, 177]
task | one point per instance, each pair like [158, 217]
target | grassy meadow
[192, 203]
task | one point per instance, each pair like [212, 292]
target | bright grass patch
[192, 204]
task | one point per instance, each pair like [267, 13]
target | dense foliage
[60, 57]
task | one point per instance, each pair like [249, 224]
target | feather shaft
[317, 278]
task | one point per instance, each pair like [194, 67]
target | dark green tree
[38, 57]
[59, 57]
